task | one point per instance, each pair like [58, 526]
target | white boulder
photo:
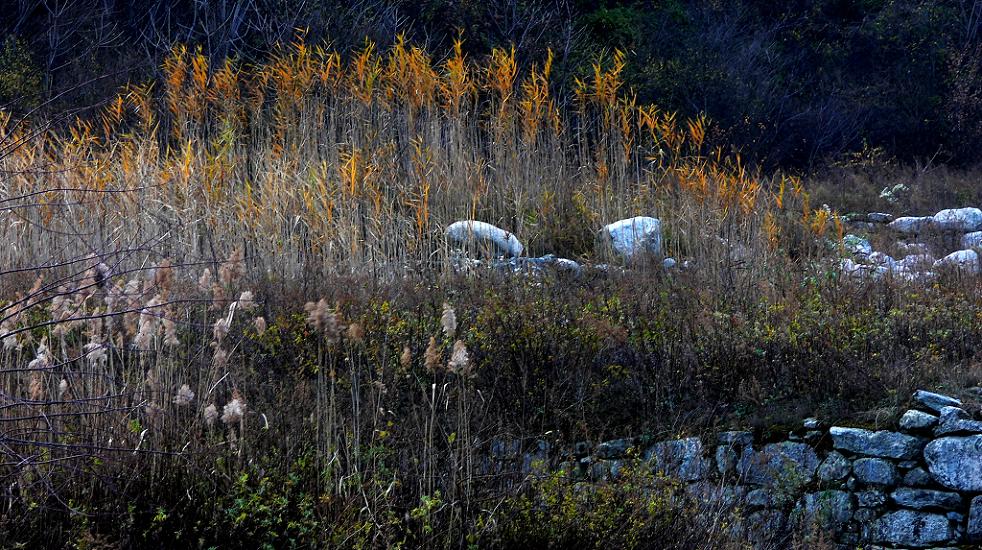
[972, 240]
[959, 219]
[915, 261]
[910, 225]
[633, 236]
[882, 259]
[857, 245]
[962, 259]
[474, 234]
[914, 248]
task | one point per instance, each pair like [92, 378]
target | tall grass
[159, 367]
[323, 165]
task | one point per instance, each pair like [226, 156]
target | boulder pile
[916, 486]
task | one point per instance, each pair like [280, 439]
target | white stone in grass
[913, 248]
[882, 259]
[857, 246]
[472, 233]
[959, 219]
[910, 225]
[915, 261]
[967, 260]
[972, 240]
[633, 236]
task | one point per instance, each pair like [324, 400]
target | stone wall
[914, 487]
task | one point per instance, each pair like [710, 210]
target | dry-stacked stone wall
[918, 486]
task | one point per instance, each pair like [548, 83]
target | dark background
[791, 84]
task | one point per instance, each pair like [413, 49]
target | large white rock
[877, 444]
[910, 225]
[972, 240]
[959, 219]
[910, 528]
[471, 233]
[962, 259]
[857, 245]
[882, 259]
[908, 249]
[916, 261]
[633, 236]
[956, 462]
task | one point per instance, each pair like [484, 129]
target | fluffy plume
[95, 353]
[260, 324]
[204, 282]
[460, 361]
[163, 275]
[322, 319]
[246, 301]
[36, 387]
[233, 268]
[406, 359]
[234, 410]
[210, 414]
[356, 333]
[184, 396]
[219, 330]
[448, 321]
[431, 358]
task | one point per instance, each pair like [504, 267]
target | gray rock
[955, 516]
[871, 498]
[967, 260]
[786, 465]
[879, 444]
[681, 458]
[915, 262]
[616, 448]
[834, 468]
[726, 460]
[811, 424]
[669, 263]
[759, 498]
[956, 462]
[913, 248]
[956, 421]
[634, 236]
[472, 234]
[875, 471]
[762, 527]
[908, 464]
[735, 438]
[912, 528]
[935, 401]
[506, 449]
[857, 246]
[716, 496]
[879, 217]
[883, 260]
[974, 530]
[911, 225]
[813, 437]
[536, 461]
[959, 219]
[920, 499]
[917, 420]
[581, 449]
[865, 515]
[827, 509]
[604, 470]
[917, 477]
[972, 240]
